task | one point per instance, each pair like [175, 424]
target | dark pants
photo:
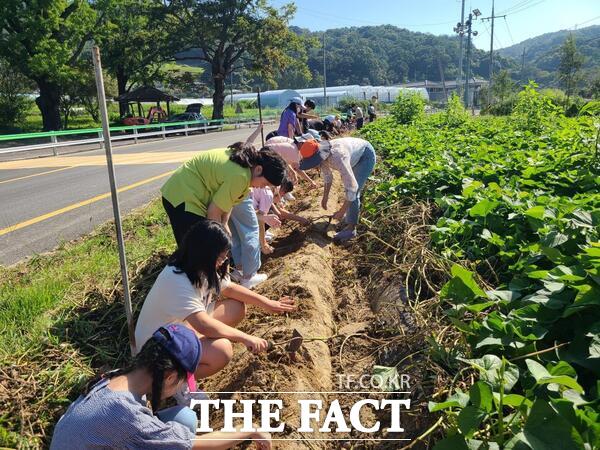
[181, 220]
[270, 135]
[359, 123]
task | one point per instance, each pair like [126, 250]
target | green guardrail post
[54, 140]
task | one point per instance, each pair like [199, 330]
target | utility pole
[460, 58]
[470, 33]
[523, 65]
[492, 17]
[442, 78]
[324, 77]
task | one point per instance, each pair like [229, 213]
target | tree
[232, 31]
[503, 86]
[43, 40]
[570, 64]
[139, 37]
[13, 103]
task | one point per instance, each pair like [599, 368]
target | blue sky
[524, 18]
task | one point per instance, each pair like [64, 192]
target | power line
[509, 33]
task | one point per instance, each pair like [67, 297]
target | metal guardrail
[165, 129]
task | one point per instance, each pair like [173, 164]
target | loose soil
[336, 301]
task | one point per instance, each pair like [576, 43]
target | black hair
[273, 165]
[199, 251]
[325, 135]
[287, 185]
[293, 106]
[310, 104]
[157, 361]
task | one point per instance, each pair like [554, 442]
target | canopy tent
[147, 94]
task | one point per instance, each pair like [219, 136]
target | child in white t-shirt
[187, 291]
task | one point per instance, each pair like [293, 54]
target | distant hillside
[542, 53]
[386, 54]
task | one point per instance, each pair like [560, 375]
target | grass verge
[62, 318]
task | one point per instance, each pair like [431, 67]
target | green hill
[542, 54]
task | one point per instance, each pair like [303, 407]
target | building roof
[147, 94]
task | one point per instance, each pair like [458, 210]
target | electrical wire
[509, 33]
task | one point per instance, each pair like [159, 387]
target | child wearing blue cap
[112, 414]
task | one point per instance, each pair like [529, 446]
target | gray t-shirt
[106, 419]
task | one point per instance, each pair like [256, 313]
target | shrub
[408, 108]
[455, 113]
[533, 112]
[14, 105]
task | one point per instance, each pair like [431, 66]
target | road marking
[100, 160]
[68, 208]
[36, 174]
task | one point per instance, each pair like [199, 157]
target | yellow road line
[36, 174]
[68, 208]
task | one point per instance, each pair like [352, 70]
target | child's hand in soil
[266, 249]
[255, 344]
[285, 304]
[304, 221]
[272, 220]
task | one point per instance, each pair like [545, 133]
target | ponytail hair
[156, 361]
[273, 165]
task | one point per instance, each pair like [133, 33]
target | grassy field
[79, 119]
[55, 310]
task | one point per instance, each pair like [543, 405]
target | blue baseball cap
[184, 347]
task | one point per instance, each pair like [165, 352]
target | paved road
[46, 201]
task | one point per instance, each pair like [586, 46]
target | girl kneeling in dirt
[354, 159]
[113, 414]
[183, 292]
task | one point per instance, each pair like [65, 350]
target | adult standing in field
[354, 159]
[372, 112]
[210, 184]
[307, 115]
[112, 413]
[358, 116]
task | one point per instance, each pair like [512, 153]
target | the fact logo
[314, 415]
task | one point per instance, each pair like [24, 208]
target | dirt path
[325, 280]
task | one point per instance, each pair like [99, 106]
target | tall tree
[43, 40]
[138, 38]
[232, 31]
[571, 61]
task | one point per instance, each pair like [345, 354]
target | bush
[14, 105]
[533, 111]
[455, 113]
[408, 108]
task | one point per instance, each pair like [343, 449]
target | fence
[120, 133]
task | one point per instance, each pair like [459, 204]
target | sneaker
[254, 280]
[269, 236]
[344, 235]
[289, 196]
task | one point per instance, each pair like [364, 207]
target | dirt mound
[334, 307]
